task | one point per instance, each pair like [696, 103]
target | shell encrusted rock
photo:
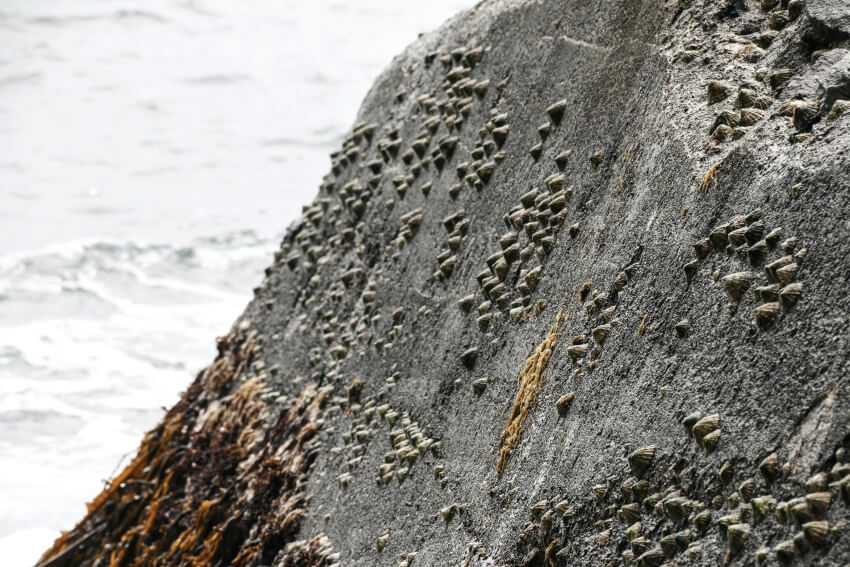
[573, 292]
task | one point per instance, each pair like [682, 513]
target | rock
[826, 21]
[375, 417]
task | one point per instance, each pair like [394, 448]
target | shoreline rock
[573, 293]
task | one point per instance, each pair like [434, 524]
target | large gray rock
[667, 244]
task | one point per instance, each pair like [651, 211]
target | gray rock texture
[575, 292]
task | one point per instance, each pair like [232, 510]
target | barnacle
[554, 182]
[448, 512]
[765, 314]
[533, 277]
[640, 490]
[717, 91]
[668, 545]
[596, 158]
[620, 281]
[556, 110]
[705, 426]
[803, 115]
[816, 533]
[746, 98]
[785, 551]
[747, 489]
[469, 357]
[691, 420]
[790, 294]
[639, 545]
[702, 520]
[819, 502]
[772, 238]
[737, 535]
[601, 332]
[479, 385]
[771, 269]
[630, 513]
[726, 118]
[736, 284]
[448, 266]
[778, 77]
[757, 253]
[500, 135]
[564, 402]
[768, 467]
[839, 107]
[652, 558]
[710, 440]
[641, 459]
[750, 116]
[577, 352]
[562, 158]
[691, 269]
[702, 247]
[778, 19]
[718, 237]
[762, 506]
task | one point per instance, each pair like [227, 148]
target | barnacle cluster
[653, 518]
[750, 246]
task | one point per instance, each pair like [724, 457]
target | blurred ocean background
[151, 154]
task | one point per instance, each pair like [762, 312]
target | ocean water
[151, 154]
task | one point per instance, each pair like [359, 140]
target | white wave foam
[95, 337]
[23, 548]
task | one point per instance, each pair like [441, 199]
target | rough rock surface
[575, 292]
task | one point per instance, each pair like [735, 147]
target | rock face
[575, 292]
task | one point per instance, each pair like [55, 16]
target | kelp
[218, 482]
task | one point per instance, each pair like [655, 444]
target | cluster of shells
[555, 113]
[534, 225]
[748, 109]
[451, 107]
[746, 239]
[539, 217]
[685, 521]
[555, 525]
[779, 13]
[750, 102]
[410, 442]
[410, 223]
[759, 517]
[457, 226]
[333, 224]
[655, 524]
[705, 430]
[799, 523]
[475, 174]
[484, 157]
[601, 308]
